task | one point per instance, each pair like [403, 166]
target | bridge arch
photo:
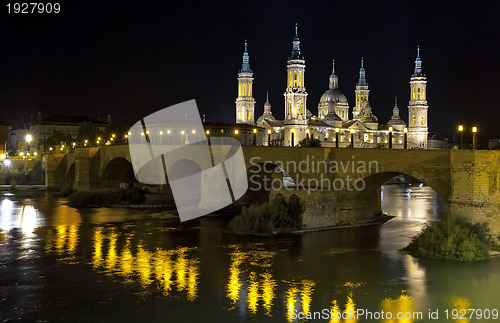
[117, 170]
[262, 179]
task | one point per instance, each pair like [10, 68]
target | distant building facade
[359, 128]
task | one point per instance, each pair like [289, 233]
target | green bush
[267, 218]
[453, 238]
[96, 198]
[13, 185]
[105, 197]
[133, 195]
[67, 190]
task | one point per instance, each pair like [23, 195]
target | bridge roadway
[335, 186]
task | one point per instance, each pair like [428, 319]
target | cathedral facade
[334, 125]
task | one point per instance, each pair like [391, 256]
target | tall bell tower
[295, 95]
[417, 108]
[245, 103]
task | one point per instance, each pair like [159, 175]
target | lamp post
[461, 131]
[29, 138]
[390, 137]
[269, 137]
[352, 138]
[405, 138]
[293, 141]
[337, 130]
[255, 137]
[474, 131]
[307, 137]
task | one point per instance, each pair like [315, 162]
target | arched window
[294, 78]
[423, 93]
[289, 109]
[423, 121]
[300, 78]
[248, 114]
[239, 90]
[413, 94]
[414, 121]
[300, 108]
[418, 95]
[290, 79]
[244, 90]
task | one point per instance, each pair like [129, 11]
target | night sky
[132, 58]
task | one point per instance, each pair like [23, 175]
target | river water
[120, 265]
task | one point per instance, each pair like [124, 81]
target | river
[58, 263]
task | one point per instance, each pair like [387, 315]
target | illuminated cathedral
[359, 128]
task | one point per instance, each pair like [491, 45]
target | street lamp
[474, 131]
[307, 137]
[255, 137]
[269, 137]
[461, 131]
[405, 140]
[29, 138]
[337, 130]
[390, 137]
[292, 143]
[352, 138]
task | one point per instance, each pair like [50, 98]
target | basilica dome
[333, 95]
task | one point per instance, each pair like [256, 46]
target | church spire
[362, 74]
[245, 66]
[418, 65]
[296, 45]
[267, 105]
[395, 110]
[334, 80]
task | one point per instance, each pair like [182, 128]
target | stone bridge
[335, 186]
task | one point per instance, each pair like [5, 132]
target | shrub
[267, 218]
[13, 185]
[453, 238]
[96, 198]
[67, 190]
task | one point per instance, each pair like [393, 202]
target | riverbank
[24, 188]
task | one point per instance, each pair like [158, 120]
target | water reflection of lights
[260, 285]
[167, 268]
[402, 304]
[26, 219]
[462, 305]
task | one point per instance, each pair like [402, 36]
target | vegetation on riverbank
[106, 197]
[22, 175]
[268, 218]
[453, 238]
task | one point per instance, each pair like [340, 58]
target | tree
[313, 142]
[57, 138]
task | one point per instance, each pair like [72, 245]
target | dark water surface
[114, 265]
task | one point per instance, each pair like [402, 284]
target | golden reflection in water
[260, 284]
[402, 304]
[61, 236]
[168, 268]
[350, 307]
[253, 293]
[233, 286]
[290, 302]
[334, 309]
[97, 254]
[268, 287]
[462, 305]
[111, 259]
[126, 262]
[72, 239]
[306, 294]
